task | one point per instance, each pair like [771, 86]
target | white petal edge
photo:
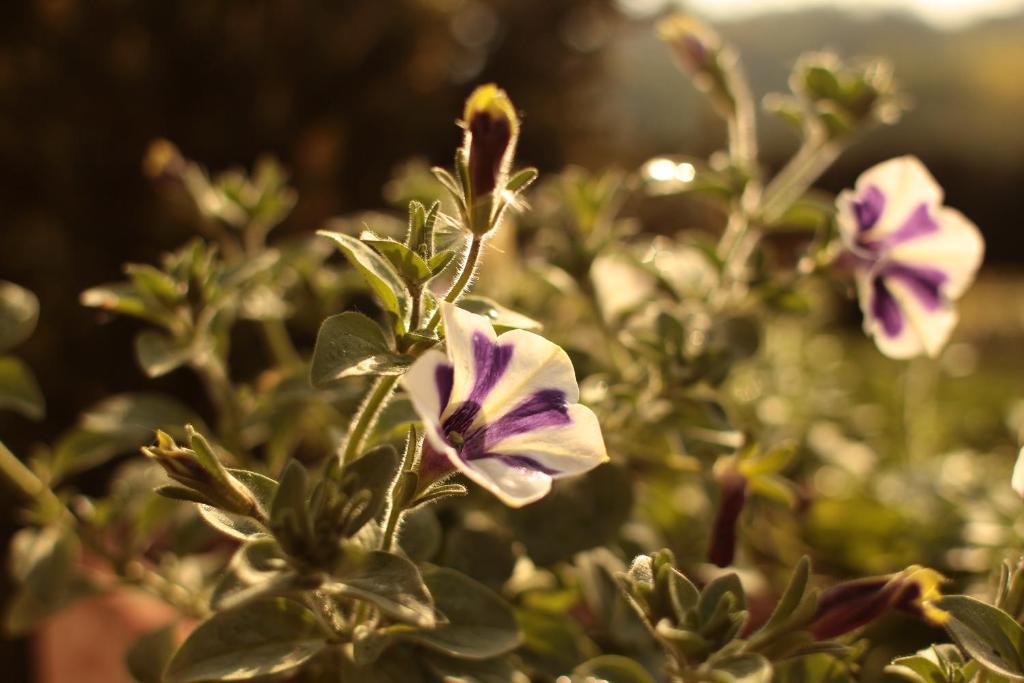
[905, 183]
[957, 250]
[420, 382]
[571, 448]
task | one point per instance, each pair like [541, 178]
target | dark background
[343, 92]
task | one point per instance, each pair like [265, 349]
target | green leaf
[42, 563]
[987, 633]
[371, 477]
[521, 180]
[480, 625]
[792, 600]
[378, 273]
[148, 656]
[351, 344]
[237, 526]
[409, 265]
[937, 664]
[119, 425]
[121, 297]
[260, 638]
[257, 570]
[614, 669]
[718, 590]
[19, 390]
[391, 583]
[19, 313]
[501, 317]
[158, 354]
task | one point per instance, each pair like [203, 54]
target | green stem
[367, 416]
[220, 390]
[280, 344]
[28, 486]
[400, 495]
[742, 124]
[462, 282]
[806, 166]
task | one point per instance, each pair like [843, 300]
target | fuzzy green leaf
[378, 273]
[159, 354]
[987, 633]
[351, 344]
[410, 265]
[391, 583]
[260, 638]
[480, 625]
[242, 527]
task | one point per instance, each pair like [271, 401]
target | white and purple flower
[912, 256]
[502, 410]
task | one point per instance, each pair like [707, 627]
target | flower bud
[722, 547]
[700, 53]
[163, 160]
[853, 604]
[199, 469]
[492, 128]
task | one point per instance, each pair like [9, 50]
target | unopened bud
[199, 469]
[492, 129]
[856, 603]
[722, 546]
[700, 53]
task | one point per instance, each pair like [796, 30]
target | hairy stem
[806, 166]
[462, 282]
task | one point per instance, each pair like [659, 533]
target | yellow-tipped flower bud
[492, 128]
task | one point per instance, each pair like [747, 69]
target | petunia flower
[912, 256]
[502, 410]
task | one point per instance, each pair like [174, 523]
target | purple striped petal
[869, 207]
[545, 408]
[918, 224]
[444, 378]
[925, 283]
[490, 361]
[885, 309]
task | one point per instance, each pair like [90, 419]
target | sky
[942, 13]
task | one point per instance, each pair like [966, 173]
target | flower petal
[904, 314]
[905, 185]
[569, 447]
[429, 384]
[956, 249]
[535, 365]
[515, 484]
[478, 361]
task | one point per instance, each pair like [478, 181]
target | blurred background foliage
[345, 93]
